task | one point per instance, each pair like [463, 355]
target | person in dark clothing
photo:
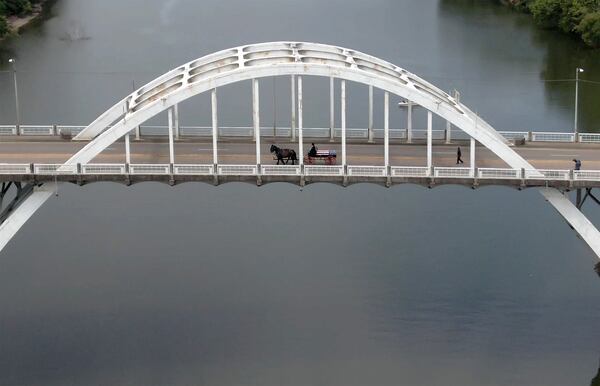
[313, 151]
[458, 156]
[577, 164]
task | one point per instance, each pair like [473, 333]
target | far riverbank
[17, 23]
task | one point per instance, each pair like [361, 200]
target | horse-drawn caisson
[314, 156]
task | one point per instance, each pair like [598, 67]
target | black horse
[281, 154]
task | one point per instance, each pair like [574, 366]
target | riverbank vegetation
[10, 9]
[579, 17]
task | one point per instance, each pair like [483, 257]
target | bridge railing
[369, 171]
[309, 133]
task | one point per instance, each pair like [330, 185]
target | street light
[577, 72]
[14, 66]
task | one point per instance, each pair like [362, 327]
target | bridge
[119, 146]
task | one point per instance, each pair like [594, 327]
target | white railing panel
[435, 134]
[367, 171]
[453, 172]
[72, 130]
[237, 170]
[512, 135]
[109, 169]
[192, 169]
[552, 137]
[316, 132]
[8, 130]
[547, 174]
[410, 171]
[150, 169]
[54, 169]
[589, 137]
[236, 131]
[586, 175]
[498, 173]
[281, 170]
[196, 131]
[36, 130]
[15, 169]
[324, 170]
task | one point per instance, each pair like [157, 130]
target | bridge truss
[293, 59]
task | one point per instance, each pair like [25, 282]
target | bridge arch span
[293, 59]
[277, 59]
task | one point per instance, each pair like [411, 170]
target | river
[203, 285]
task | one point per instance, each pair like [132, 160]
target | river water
[275, 285]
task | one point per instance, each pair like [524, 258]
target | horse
[288, 154]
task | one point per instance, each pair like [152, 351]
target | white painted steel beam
[331, 109]
[386, 128]
[127, 149]
[22, 213]
[176, 116]
[578, 221]
[343, 110]
[371, 133]
[293, 104]
[215, 125]
[448, 132]
[171, 145]
[429, 139]
[300, 122]
[256, 116]
[472, 156]
[409, 121]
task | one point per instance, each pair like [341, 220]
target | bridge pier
[429, 139]
[256, 118]
[300, 123]
[371, 133]
[409, 121]
[343, 111]
[171, 145]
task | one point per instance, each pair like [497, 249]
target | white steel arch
[288, 58]
[276, 59]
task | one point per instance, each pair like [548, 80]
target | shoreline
[16, 23]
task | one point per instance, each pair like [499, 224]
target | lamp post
[578, 70]
[14, 66]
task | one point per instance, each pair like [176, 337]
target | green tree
[589, 28]
[3, 26]
[547, 13]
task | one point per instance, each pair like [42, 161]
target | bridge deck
[540, 155]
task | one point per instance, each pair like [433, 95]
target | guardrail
[410, 171]
[499, 173]
[296, 170]
[367, 171]
[541, 136]
[453, 172]
[281, 170]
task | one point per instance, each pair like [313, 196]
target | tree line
[580, 17]
[13, 8]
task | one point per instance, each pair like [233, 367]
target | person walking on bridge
[577, 164]
[459, 156]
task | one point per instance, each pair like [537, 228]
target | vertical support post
[429, 139]
[256, 118]
[331, 109]
[215, 126]
[300, 122]
[127, 150]
[293, 126]
[138, 133]
[343, 100]
[171, 146]
[371, 132]
[409, 122]
[448, 132]
[472, 157]
[386, 128]
[176, 114]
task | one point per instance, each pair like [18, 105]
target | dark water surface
[152, 285]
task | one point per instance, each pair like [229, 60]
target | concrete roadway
[541, 155]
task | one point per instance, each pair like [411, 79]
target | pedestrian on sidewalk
[458, 156]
